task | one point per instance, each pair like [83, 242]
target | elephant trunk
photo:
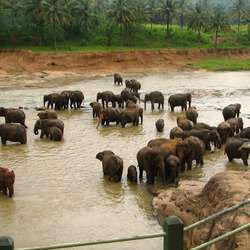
[35, 131]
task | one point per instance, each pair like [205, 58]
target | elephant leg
[3, 140]
[244, 157]
[152, 106]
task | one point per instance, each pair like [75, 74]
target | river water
[61, 195]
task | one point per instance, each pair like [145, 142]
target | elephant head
[224, 130]
[172, 169]
[213, 136]
[7, 179]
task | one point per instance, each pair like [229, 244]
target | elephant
[118, 101]
[60, 101]
[107, 115]
[172, 169]
[192, 114]
[231, 111]
[207, 136]
[124, 95]
[236, 125]
[184, 123]
[117, 79]
[157, 142]
[132, 173]
[7, 179]
[131, 116]
[135, 85]
[45, 124]
[13, 115]
[245, 133]
[47, 114]
[224, 130]
[238, 148]
[78, 98]
[96, 107]
[180, 100]
[150, 160]
[159, 124]
[55, 133]
[177, 132]
[13, 132]
[202, 125]
[131, 104]
[154, 97]
[191, 148]
[49, 100]
[112, 165]
[106, 97]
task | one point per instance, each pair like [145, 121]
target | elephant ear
[99, 156]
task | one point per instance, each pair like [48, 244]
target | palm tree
[55, 12]
[151, 11]
[182, 10]
[196, 20]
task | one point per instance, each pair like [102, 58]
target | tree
[151, 11]
[182, 10]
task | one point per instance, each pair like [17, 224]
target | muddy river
[61, 195]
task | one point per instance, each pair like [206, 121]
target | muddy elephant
[192, 148]
[13, 132]
[132, 173]
[154, 97]
[150, 161]
[238, 148]
[117, 79]
[176, 100]
[236, 125]
[7, 179]
[55, 133]
[106, 97]
[112, 165]
[172, 169]
[45, 124]
[231, 111]
[184, 123]
[96, 107]
[224, 130]
[131, 116]
[177, 132]
[13, 115]
[47, 114]
[192, 114]
[108, 115]
[159, 124]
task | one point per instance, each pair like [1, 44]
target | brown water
[60, 193]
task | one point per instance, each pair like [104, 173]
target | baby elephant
[132, 174]
[7, 179]
[159, 124]
[55, 133]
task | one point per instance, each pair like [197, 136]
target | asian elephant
[135, 85]
[231, 111]
[13, 132]
[236, 125]
[224, 130]
[45, 124]
[177, 132]
[184, 123]
[13, 115]
[124, 96]
[191, 148]
[107, 115]
[132, 173]
[159, 124]
[49, 100]
[55, 133]
[157, 142]
[172, 168]
[78, 98]
[48, 114]
[238, 148]
[60, 101]
[112, 164]
[96, 107]
[131, 116]
[154, 97]
[180, 100]
[202, 125]
[192, 114]
[117, 79]
[245, 133]
[106, 97]
[7, 179]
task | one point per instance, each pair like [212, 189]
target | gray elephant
[48, 114]
[112, 165]
[45, 124]
[131, 116]
[106, 97]
[60, 101]
[172, 168]
[117, 79]
[238, 148]
[13, 115]
[78, 98]
[224, 130]
[154, 97]
[124, 97]
[231, 111]
[55, 133]
[135, 85]
[7, 179]
[236, 125]
[49, 100]
[159, 124]
[202, 125]
[13, 132]
[176, 100]
[96, 107]
[108, 115]
[132, 174]
[245, 133]
[192, 114]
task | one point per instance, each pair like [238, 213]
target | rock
[193, 201]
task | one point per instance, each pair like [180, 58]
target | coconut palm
[182, 10]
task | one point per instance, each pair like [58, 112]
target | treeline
[124, 23]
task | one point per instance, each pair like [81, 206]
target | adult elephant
[154, 97]
[172, 169]
[245, 133]
[55, 133]
[112, 164]
[48, 99]
[192, 114]
[96, 107]
[117, 79]
[45, 124]
[78, 98]
[236, 125]
[203, 125]
[47, 114]
[135, 85]
[106, 97]
[191, 148]
[131, 116]
[231, 111]
[159, 124]
[7, 179]
[124, 97]
[108, 115]
[60, 101]
[150, 161]
[224, 130]
[176, 100]
[13, 132]
[13, 115]
[238, 148]
[157, 142]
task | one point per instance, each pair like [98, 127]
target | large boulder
[193, 201]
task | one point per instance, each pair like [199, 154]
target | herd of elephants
[188, 141]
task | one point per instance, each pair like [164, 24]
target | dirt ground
[23, 68]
